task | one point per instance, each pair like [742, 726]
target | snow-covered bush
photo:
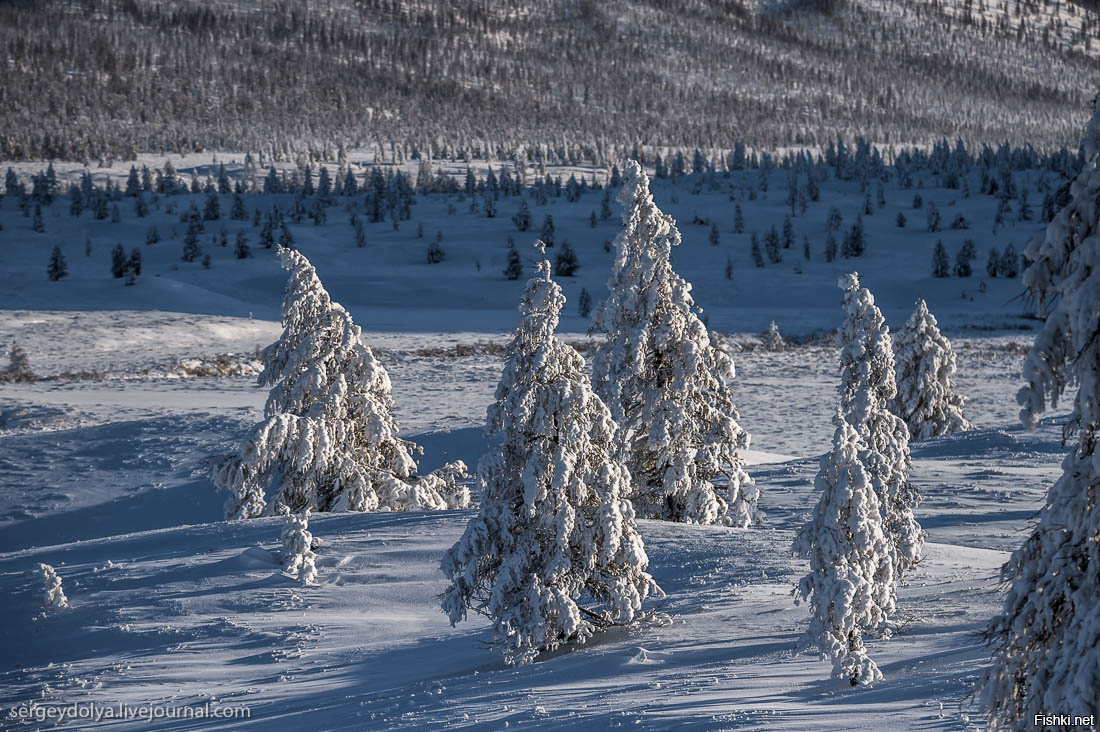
[867, 387]
[850, 583]
[19, 365]
[772, 339]
[329, 439]
[298, 557]
[1047, 638]
[53, 596]
[555, 527]
[925, 368]
[665, 382]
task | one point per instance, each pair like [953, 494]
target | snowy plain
[103, 474]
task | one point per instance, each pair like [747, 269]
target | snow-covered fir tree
[772, 339]
[867, 387]
[298, 557]
[57, 267]
[1047, 638]
[927, 398]
[19, 365]
[53, 596]
[328, 440]
[850, 586]
[553, 554]
[666, 383]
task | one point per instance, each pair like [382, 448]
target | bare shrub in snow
[555, 527]
[53, 597]
[850, 586]
[926, 398]
[867, 387]
[329, 439]
[666, 384]
[1047, 638]
[298, 556]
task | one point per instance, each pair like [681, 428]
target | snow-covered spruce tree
[1047, 639]
[666, 383]
[850, 586]
[328, 440]
[867, 387]
[555, 528]
[57, 267]
[772, 339]
[925, 369]
[19, 365]
[298, 557]
[53, 596]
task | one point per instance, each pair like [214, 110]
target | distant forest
[107, 79]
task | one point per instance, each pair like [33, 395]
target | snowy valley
[143, 379]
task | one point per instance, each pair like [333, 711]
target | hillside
[93, 79]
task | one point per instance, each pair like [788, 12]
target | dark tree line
[93, 79]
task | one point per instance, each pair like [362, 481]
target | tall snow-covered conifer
[1047, 638]
[866, 389]
[851, 581]
[555, 528]
[328, 441]
[666, 383]
[925, 369]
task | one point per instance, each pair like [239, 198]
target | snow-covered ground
[104, 465]
[104, 479]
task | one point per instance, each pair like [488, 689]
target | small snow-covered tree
[850, 585]
[53, 596]
[566, 263]
[298, 557]
[514, 270]
[772, 339]
[866, 390]
[925, 375]
[1047, 638]
[328, 440]
[940, 265]
[554, 528]
[57, 267]
[19, 365]
[666, 383]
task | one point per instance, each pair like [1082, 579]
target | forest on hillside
[107, 79]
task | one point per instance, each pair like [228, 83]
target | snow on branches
[925, 368]
[851, 581]
[53, 597]
[1047, 638]
[866, 389]
[554, 528]
[328, 440]
[298, 557]
[665, 381]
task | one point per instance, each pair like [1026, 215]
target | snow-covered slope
[105, 481]
[389, 286]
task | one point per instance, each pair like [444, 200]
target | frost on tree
[19, 365]
[867, 387]
[53, 596]
[328, 440]
[1047, 638]
[298, 557]
[850, 586]
[666, 383]
[555, 528]
[925, 369]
